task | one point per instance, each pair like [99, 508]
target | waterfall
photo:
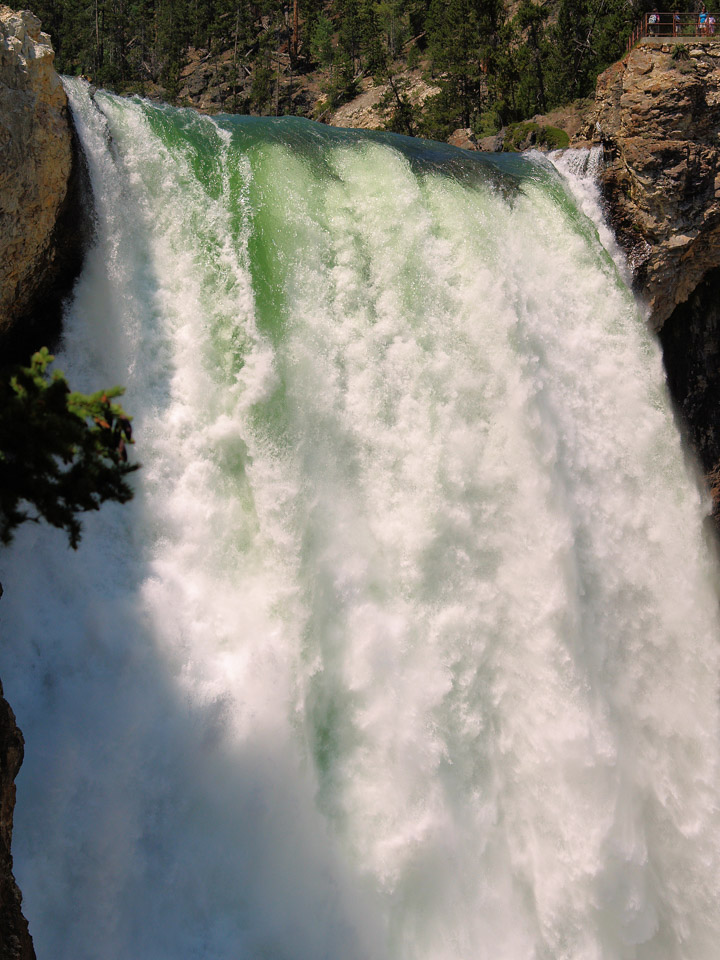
[407, 646]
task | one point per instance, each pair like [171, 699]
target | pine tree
[321, 47]
[531, 18]
[455, 48]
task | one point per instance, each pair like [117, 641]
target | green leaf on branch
[62, 453]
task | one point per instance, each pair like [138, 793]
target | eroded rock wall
[658, 117]
[15, 941]
[35, 168]
[690, 339]
[657, 114]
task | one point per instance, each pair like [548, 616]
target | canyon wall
[657, 115]
[15, 941]
[37, 246]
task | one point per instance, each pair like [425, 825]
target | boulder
[463, 137]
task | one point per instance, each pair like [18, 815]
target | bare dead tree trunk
[235, 68]
[296, 29]
[97, 38]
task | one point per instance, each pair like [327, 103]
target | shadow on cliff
[690, 340]
[41, 325]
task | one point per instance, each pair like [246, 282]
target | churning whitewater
[407, 647]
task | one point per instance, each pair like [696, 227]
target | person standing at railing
[711, 26]
[677, 24]
[702, 21]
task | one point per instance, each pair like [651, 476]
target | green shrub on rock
[524, 136]
[553, 138]
[680, 52]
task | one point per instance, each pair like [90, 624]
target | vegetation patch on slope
[488, 64]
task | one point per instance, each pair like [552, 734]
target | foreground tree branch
[62, 453]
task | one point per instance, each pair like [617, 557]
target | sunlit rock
[658, 116]
[35, 165]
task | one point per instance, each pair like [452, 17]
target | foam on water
[407, 645]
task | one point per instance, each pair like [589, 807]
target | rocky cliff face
[657, 114]
[690, 339]
[15, 941]
[35, 171]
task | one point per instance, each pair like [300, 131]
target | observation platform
[676, 28]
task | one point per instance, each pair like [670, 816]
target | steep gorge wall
[40, 250]
[657, 115]
[15, 940]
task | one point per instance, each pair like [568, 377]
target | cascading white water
[581, 168]
[407, 647]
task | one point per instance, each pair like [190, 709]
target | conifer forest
[491, 62]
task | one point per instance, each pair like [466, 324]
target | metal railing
[675, 25]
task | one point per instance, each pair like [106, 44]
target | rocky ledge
[35, 171]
